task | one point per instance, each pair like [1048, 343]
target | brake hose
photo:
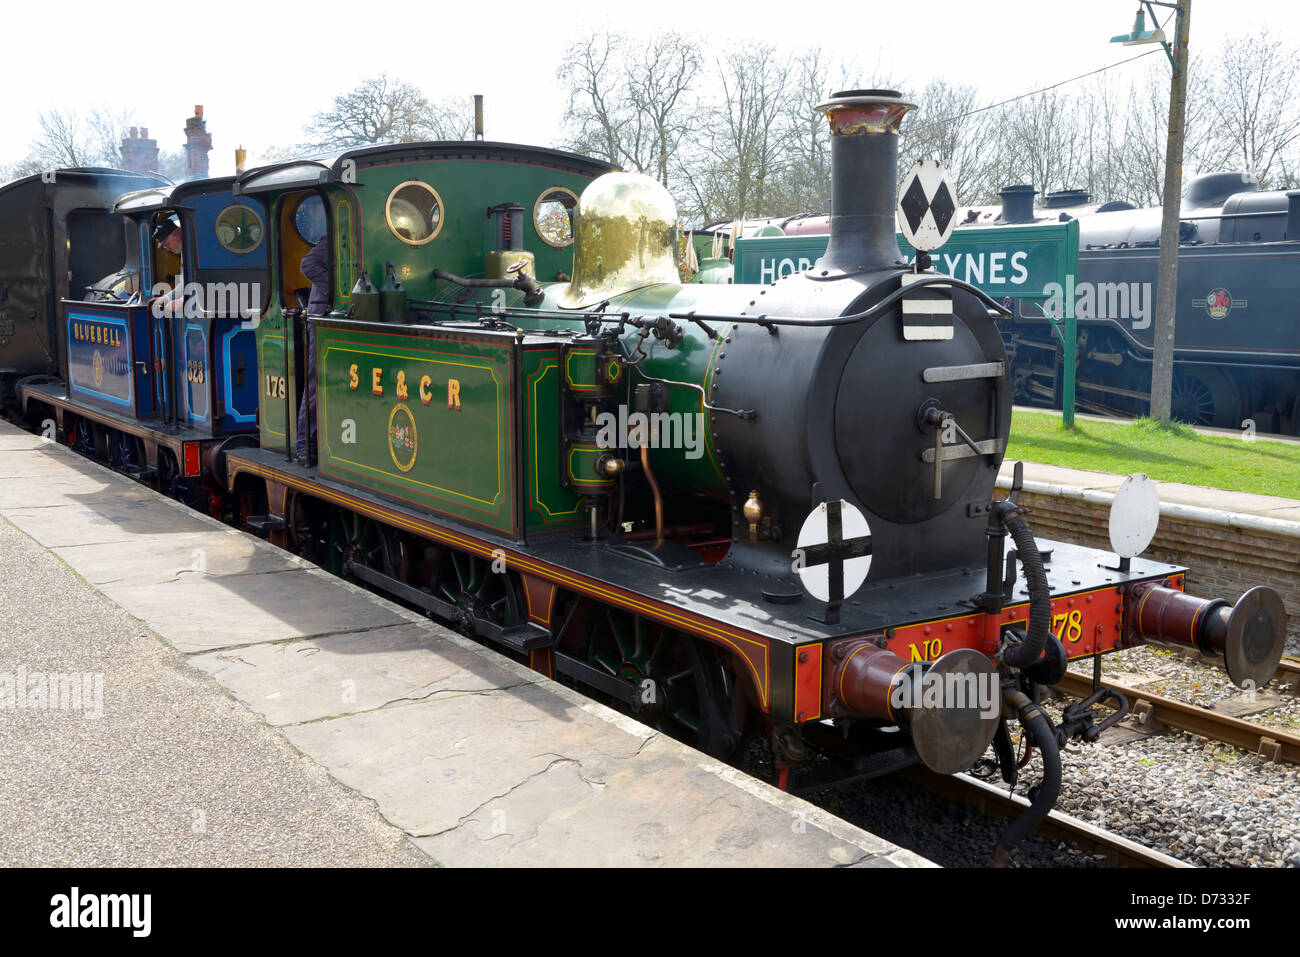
[1027, 652]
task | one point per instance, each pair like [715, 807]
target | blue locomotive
[158, 364]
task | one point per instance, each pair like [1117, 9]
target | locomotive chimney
[864, 177]
[1018, 203]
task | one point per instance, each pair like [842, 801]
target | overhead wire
[994, 106]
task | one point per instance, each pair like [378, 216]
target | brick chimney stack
[139, 153]
[198, 143]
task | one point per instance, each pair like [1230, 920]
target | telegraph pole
[1162, 364]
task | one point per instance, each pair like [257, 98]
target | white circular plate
[824, 540]
[1134, 515]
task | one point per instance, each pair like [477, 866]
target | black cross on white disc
[835, 547]
[927, 206]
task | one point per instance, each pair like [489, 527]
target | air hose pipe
[1039, 728]
[1026, 653]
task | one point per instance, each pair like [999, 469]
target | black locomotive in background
[1237, 325]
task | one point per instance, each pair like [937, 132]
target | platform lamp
[1162, 365]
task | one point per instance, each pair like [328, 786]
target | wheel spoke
[659, 645]
[688, 719]
[621, 638]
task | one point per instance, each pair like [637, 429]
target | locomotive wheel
[170, 480]
[103, 443]
[83, 438]
[683, 689]
[353, 537]
[308, 530]
[478, 592]
[1205, 396]
[128, 451]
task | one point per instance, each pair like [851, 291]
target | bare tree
[803, 182]
[1042, 141]
[631, 103]
[743, 139]
[1256, 123]
[21, 168]
[71, 138]
[452, 119]
[384, 110]
[950, 127]
[62, 140]
[107, 127]
[1142, 132]
[661, 97]
[598, 112]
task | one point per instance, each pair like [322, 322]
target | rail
[994, 801]
[1159, 711]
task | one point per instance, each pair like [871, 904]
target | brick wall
[1222, 562]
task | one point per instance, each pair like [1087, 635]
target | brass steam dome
[624, 239]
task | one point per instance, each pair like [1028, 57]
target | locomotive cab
[159, 367]
[63, 238]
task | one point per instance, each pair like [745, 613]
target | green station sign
[1017, 262]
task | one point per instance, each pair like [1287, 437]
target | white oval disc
[835, 535]
[927, 205]
[1134, 515]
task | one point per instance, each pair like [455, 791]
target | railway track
[993, 801]
[1159, 711]
[1287, 676]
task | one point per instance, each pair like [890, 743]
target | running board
[265, 523]
[142, 473]
[521, 638]
[623, 691]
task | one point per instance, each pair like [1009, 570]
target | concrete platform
[439, 749]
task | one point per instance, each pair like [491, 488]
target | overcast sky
[161, 59]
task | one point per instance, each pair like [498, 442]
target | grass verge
[1167, 454]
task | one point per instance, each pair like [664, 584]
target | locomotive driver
[167, 236]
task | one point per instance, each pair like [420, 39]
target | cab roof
[331, 167]
[169, 196]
